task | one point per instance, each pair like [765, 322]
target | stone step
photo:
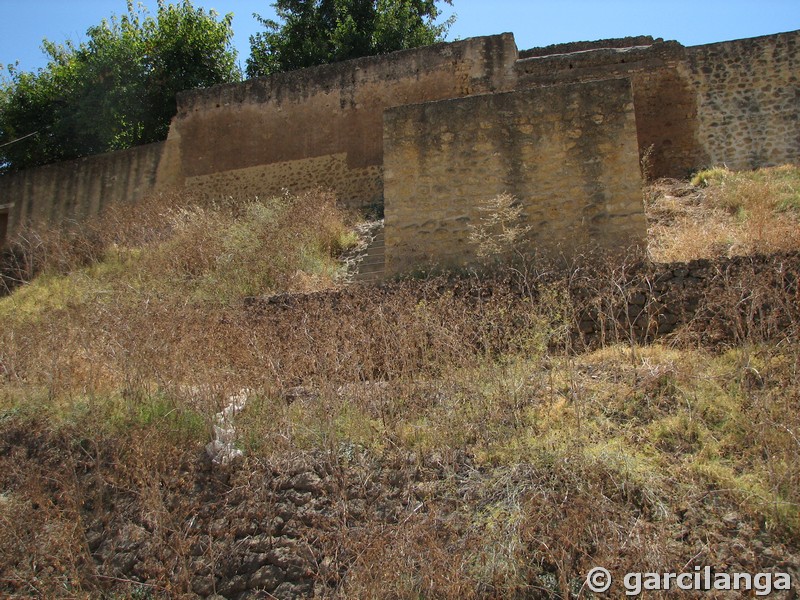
[371, 268]
[371, 263]
[369, 276]
[376, 264]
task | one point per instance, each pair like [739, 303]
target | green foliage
[706, 177]
[207, 253]
[743, 192]
[115, 90]
[174, 420]
[314, 32]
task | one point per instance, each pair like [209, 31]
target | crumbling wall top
[627, 57]
[342, 76]
[625, 42]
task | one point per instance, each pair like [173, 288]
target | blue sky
[24, 23]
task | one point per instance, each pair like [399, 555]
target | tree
[115, 90]
[314, 32]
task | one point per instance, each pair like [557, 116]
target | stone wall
[711, 302]
[666, 103]
[570, 47]
[749, 100]
[76, 189]
[733, 103]
[718, 301]
[567, 153]
[321, 126]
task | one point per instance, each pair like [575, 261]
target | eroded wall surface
[666, 103]
[735, 103]
[749, 100]
[76, 189]
[567, 153]
[321, 126]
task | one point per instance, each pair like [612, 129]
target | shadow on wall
[380, 130]
[3, 226]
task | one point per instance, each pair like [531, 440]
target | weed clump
[190, 248]
[725, 213]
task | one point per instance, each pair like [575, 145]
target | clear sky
[24, 23]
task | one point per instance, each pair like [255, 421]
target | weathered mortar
[749, 100]
[568, 154]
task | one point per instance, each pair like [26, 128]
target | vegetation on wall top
[115, 90]
[315, 32]
[118, 89]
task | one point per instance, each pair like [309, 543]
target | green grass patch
[744, 192]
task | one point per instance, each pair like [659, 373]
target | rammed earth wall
[73, 190]
[321, 126]
[567, 153]
[735, 103]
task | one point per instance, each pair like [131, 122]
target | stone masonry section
[710, 302]
[568, 154]
[749, 100]
[666, 106]
[733, 103]
[329, 114]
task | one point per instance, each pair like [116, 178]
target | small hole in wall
[570, 65]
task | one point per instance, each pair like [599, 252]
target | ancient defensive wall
[428, 134]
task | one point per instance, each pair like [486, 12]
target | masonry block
[575, 174]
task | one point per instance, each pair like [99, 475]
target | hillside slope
[453, 437]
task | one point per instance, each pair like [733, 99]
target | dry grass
[497, 457]
[725, 213]
[216, 251]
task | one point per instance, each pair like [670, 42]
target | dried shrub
[455, 437]
[499, 229]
